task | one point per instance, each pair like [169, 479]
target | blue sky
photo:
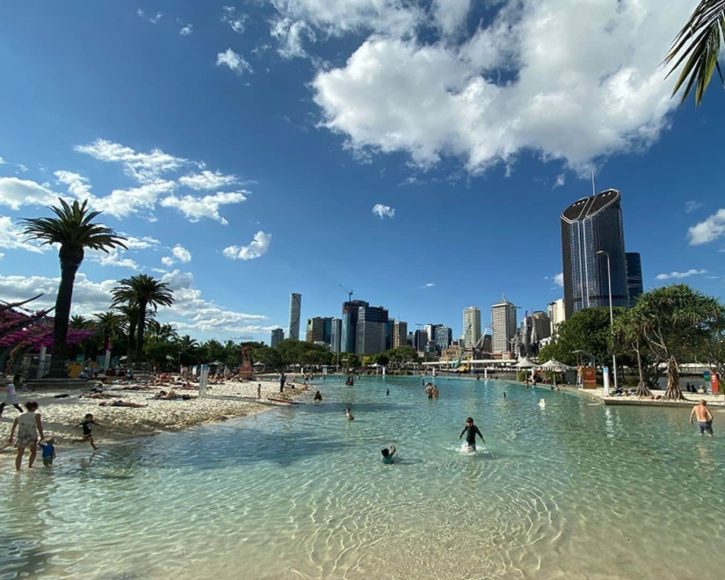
[244, 147]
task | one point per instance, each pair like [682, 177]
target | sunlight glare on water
[569, 489]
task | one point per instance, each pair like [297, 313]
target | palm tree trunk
[131, 346]
[140, 330]
[68, 267]
[673, 393]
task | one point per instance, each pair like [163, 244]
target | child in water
[348, 414]
[87, 425]
[48, 447]
[470, 430]
[388, 454]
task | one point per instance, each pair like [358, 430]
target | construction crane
[349, 292]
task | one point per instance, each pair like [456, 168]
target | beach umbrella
[556, 366]
[524, 363]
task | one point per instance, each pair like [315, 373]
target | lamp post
[611, 311]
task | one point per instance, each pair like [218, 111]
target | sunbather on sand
[120, 403]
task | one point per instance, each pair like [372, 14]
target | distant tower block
[295, 307]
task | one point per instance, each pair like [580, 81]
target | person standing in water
[704, 417]
[348, 414]
[28, 426]
[11, 394]
[470, 430]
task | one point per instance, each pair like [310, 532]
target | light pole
[611, 312]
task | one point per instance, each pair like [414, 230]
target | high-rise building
[277, 336]
[541, 325]
[400, 334]
[295, 307]
[442, 336]
[590, 225]
[335, 334]
[420, 340]
[503, 324]
[487, 343]
[349, 324]
[315, 330]
[557, 314]
[635, 288]
[372, 322]
[471, 326]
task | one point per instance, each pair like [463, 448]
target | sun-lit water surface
[570, 490]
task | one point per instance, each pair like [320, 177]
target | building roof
[589, 206]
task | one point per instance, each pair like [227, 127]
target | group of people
[432, 391]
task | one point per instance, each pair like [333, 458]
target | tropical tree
[129, 313]
[79, 322]
[188, 349]
[110, 324]
[696, 47]
[144, 291]
[74, 230]
[676, 323]
[629, 336]
[587, 330]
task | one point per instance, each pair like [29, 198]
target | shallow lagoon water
[570, 490]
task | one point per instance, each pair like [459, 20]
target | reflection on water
[566, 491]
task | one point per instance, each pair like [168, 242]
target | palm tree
[73, 229]
[698, 46]
[111, 326]
[144, 291]
[129, 314]
[78, 322]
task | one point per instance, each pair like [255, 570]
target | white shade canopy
[555, 365]
[525, 363]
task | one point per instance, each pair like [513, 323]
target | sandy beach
[62, 414]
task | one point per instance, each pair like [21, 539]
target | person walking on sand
[29, 426]
[259, 390]
[470, 430]
[704, 417]
[87, 426]
[11, 394]
[282, 379]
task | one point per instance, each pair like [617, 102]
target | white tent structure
[525, 363]
[556, 366]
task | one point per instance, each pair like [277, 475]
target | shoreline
[62, 411]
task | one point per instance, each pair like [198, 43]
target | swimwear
[705, 427]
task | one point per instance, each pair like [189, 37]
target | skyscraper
[442, 336]
[557, 314]
[400, 334]
[349, 324]
[335, 335]
[590, 225]
[471, 326]
[371, 326]
[503, 323]
[635, 287]
[277, 337]
[315, 330]
[295, 307]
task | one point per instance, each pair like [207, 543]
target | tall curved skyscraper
[589, 225]
[295, 307]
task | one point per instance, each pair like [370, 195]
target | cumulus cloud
[680, 275]
[12, 238]
[236, 21]
[450, 15]
[116, 258]
[567, 80]
[383, 211]
[16, 192]
[559, 279]
[257, 248]
[709, 230]
[143, 167]
[186, 30]
[234, 61]
[291, 36]
[77, 184]
[144, 243]
[207, 180]
[178, 254]
[196, 208]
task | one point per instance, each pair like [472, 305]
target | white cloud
[207, 180]
[139, 200]
[560, 180]
[16, 192]
[144, 167]
[12, 238]
[451, 15]
[151, 18]
[76, 183]
[291, 36]
[568, 80]
[116, 258]
[559, 279]
[196, 208]
[235, 20]
[691, 206]
[680, 275]
[234, 61]
[257, 248]
[186, 30]
[144, 243]
[2, 161]
[178, 254]
[429, 285]
[383, 211]
[709, 230]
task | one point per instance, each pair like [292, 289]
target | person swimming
[470, 430]
[318, 397]
[388, 454]
[348, 414]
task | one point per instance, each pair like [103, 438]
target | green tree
[110, 325]
[696, 48]
[187, 350]
[145, 292]
[676, 324]
[79, 322]
[74, 230]
[587, 330]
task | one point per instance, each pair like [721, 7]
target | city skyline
[240, 173]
